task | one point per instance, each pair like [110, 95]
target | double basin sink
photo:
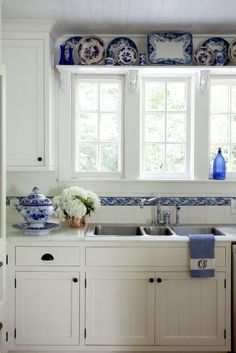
[135, 230]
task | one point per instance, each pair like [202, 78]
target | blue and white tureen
[36, 209]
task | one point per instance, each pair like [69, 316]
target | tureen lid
[36, 199]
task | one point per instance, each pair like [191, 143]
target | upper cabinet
[26, 55]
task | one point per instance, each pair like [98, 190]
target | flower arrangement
[75, 202]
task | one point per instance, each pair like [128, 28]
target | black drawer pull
[159, 280]
[1, 325]
[151, 280]
[75, 280]
[47, 257]
[40, 159]
[1, 263]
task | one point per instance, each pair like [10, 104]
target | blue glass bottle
[62, 60]
[219, 166]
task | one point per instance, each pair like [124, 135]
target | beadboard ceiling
[128, 16]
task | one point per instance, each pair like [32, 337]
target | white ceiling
[128, 16]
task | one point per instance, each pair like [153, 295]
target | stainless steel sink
[196, 229]
[113, 230]
[156, 230]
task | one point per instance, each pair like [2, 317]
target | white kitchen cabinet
[47, 308]
[119, 308]
[190, 311]
[28, 106]
[165, 309]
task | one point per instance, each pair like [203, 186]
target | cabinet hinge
[15, 282]
[85, 282]
[15, 333]
[6, 259]
[6, 336]
[225, 283]
[85, 333]
[224, 333]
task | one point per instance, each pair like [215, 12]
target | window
[98, 125]
[165, 128]
[223, 121]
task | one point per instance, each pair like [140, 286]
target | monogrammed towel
[202, 255]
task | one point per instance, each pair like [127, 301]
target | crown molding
[27, 25]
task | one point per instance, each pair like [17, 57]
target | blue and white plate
[232, 51]
[117, 44]
[26, 229]
[91, 50]
[204, 56]
[127, 56]
[169, 48]
[220, 48]
[72, 43]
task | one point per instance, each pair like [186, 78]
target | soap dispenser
[219, 166]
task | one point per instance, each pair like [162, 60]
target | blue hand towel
[202, 253]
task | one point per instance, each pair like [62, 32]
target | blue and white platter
[169, 48]
[220, 48]
[91, 50]
[26, 229]
[72, 43]
[118, 44]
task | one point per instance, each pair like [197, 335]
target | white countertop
[65, 233]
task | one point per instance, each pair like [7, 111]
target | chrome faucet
[166, 214]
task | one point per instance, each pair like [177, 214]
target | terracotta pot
[77, 223]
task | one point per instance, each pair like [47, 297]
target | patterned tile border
[164, 201]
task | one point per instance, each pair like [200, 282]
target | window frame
[223, 79]
[96, 174]
[189, 148]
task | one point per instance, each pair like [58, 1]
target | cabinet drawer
[47, 256]
[159, 256]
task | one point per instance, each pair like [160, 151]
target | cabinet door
[25, 108]
[2, 281]
[119, 309]
[190, 311]
[47, 308]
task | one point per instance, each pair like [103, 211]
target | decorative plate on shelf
[26, 229]
[204, 56]
[91, 50]
[169, 48]
[127, 56]
[232, 51]
[72, 43]
[220, 48]
[119, 43]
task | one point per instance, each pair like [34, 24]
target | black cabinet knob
[1, 325]
[1, 263]
[159, 280]
[75, 280]
[47, 257]
[40, 159]
[151, 280]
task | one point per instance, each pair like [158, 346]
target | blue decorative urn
[36, 209]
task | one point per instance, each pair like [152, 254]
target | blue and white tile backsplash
[164, 201]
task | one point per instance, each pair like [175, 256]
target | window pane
[155, 127]
[88, 157]
[154, 158]
[155, 96]
[233, 128]
[176, 96]
[109, 127]
[175, 158]
[88, 96]
[109, 158]
[233, 98]
[109, 97]
[88, 127]
[176, 128]
[219, 98]
[219, 128]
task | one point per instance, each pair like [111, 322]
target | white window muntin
[229, 81]
[188, 146]
[75, 150]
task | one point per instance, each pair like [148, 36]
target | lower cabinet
[47, 308]
[168, 308]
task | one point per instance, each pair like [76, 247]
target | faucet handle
[166, 217]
